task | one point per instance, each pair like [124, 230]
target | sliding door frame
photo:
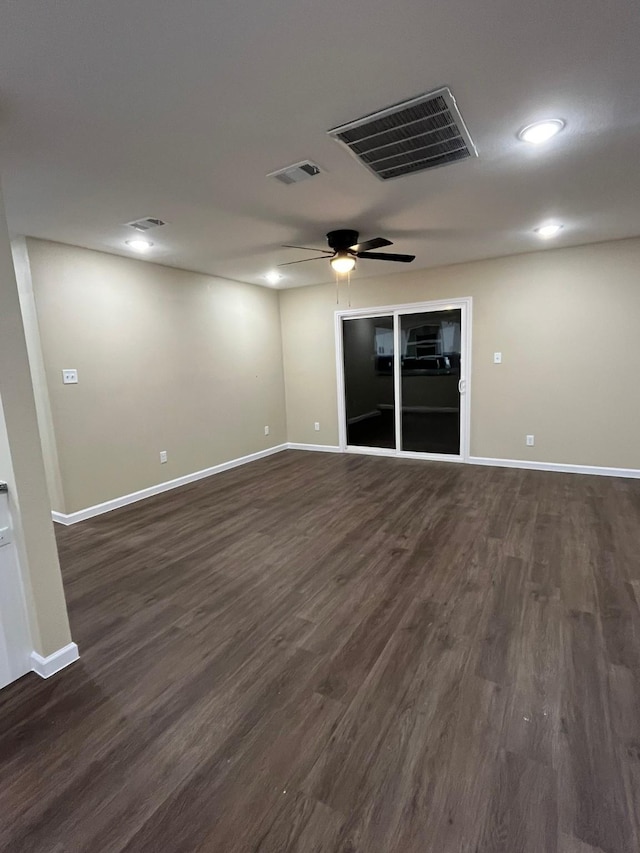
[465, 305]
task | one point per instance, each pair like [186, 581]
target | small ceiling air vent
[145, 224]
[296, 173]
[422, 133]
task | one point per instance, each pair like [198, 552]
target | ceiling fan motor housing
[342, 239]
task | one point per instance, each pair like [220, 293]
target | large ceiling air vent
[419, 134]
[145, 224]
[296, 173]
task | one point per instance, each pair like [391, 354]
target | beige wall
[167, 360]
[21, 465]
[567, 322]
[171, 360]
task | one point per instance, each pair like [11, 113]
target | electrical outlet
[530, 441]
[316, 426]
[70, 376]
[5, 536]
[163, 457]
[266, 430]
[497, 358]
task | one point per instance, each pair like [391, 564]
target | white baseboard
[116, 503]
[46, 667]
[561, 467]
[322, 448]
[363, 450]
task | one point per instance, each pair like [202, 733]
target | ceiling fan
[344, 250]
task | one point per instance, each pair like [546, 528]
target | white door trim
[397, 381]
[465, 304]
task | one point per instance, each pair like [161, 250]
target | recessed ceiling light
[273, 277]
[541, 131]
[139, 245]
[343, 261]
[551, 229]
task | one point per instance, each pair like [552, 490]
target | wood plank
[523, 814]
[592, 791]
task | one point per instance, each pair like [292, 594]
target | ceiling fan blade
[375, 243]
[387, 256]
[309, 249]
[303, 261]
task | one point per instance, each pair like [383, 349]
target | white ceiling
[116, 110]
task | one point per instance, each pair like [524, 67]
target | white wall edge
[46, 667]
[323, 448]
[561, 467]
[125, 500]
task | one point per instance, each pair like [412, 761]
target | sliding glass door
[402, 379]
[430, 381]
[368, 382]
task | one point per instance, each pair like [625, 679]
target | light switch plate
[497, 358]
[70, 376]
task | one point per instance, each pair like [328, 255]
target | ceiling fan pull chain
[349, 287]
[337, 291]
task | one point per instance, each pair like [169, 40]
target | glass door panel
[430, 344]
[368, 347]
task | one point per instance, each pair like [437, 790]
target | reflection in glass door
[368, 347]
[430, 345]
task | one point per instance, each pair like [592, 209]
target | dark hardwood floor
[341, 653]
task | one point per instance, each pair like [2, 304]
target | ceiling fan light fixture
[343, 262]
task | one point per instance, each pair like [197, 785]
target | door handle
[462, 386]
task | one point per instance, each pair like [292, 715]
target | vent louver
[296, 173]
[145, 224]
[423, 133]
